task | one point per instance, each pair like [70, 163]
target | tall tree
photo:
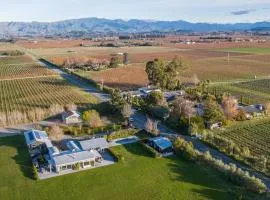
[230, 106]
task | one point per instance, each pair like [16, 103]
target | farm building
[253, 110]
[71, 117]
[161, 144]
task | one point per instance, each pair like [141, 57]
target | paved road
[140, 119]
[103, 97]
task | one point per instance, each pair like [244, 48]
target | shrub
[118, 157]
[121, 134]
[35, 173]
[150, 150]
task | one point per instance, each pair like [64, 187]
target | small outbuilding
[71, 117]
[161, 144]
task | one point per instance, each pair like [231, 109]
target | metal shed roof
[94, 144]
[162, 142]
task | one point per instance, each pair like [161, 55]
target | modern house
[161, 144]
[75, 156]
[71, 117]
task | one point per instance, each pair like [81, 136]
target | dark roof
[162, 142]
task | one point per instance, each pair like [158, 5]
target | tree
[115, 61]
[165, 75]
[56, 133]
[212, 112]
[155, 71]
[117, 100]
[230, 106]
[70, 107]
[156, 98]
[126, 59]
[148, 125]
[92, 117]
[127, 111]
[155, 130]
[195, 80]
[267, 108]
[178, 106]
[55, 109]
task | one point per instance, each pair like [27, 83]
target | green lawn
[248, 50]
[138, 177]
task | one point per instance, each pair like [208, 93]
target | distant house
[212, 126]
[253, 110]
[161, 144]
[71, 117]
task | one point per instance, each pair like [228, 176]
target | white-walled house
[71, 117]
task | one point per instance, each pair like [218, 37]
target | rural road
[140, 119]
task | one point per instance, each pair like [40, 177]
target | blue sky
[222, 11]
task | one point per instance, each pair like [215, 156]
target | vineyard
[26, 94]
[253, 92]
[254, 135]
[9, 71]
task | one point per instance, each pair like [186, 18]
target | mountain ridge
[102, 25]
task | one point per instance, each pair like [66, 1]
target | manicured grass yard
[137, 177]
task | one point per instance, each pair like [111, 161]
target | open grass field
[138, 177]
[248, 50]
[254, 135]
[25, 94]
[257, 91]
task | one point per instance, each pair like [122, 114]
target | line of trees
[231, 171]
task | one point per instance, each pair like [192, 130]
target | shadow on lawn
[186, 171]
[22, 157]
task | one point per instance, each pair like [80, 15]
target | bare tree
[127, 111]
[188, 110]
[155, 130]
[56, 133]
[195, 80]
[267, 108]
[148, 125]
[70, 107]
[178, 106]
[230, 106]
[93, 119]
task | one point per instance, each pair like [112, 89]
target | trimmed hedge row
[121, 134]
[149, 149]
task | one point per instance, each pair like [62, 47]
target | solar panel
[37, 135]
[31, 136]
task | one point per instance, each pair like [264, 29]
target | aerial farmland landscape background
[135, 100]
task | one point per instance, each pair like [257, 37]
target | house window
[86, 163]
[69, 166]
[64, 167]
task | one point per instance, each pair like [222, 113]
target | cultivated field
[26, 94]
[256, 91]
[165, 178]
[9, 71]
[254, 135]
[208, 61]
[126, 78]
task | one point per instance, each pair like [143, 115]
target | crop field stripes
[30, 77]
[254, 135]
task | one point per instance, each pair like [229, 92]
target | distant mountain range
[97, 25]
